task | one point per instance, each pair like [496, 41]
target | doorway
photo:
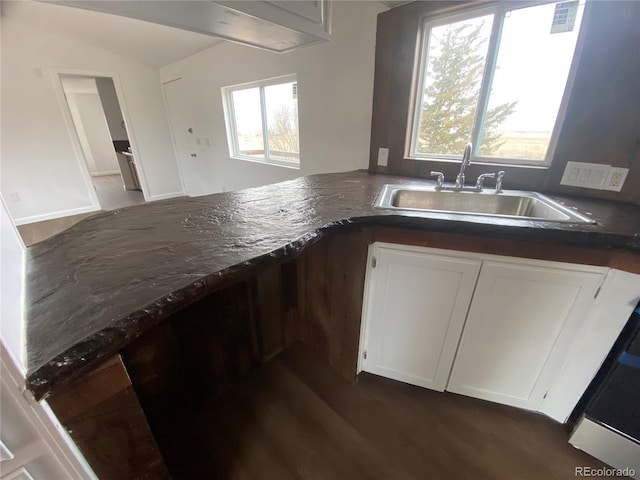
[102, 134]
[185, 142]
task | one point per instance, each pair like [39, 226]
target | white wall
[11, 288]
[40, 162]
[335, 82]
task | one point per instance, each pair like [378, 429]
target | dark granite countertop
[95, 287]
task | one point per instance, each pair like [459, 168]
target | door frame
[173, 135]
[52, 440]
[73, 134]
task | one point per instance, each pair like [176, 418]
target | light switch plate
[383, 156]
[585, 175]
[615, 179]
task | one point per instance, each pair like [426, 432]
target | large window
[262, 121]
[496, 77]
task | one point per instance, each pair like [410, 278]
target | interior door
[417, 303]
[192, 166]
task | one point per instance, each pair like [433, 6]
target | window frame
[230, 120]
[499, 10]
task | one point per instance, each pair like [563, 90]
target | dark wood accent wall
[103, 416]
[204, 350]
[602, 122]
[330, 291]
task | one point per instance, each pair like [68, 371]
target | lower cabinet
[417, 306]
[491, 327]
[519, 328]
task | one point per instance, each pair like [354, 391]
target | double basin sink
[513, 204]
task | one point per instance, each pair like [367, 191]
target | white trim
[56, 72]
[231, 127]
[54, 442]
[273, 163]
[415, 109]
[164, 196]
[176, 153]
[77, 148]
[263, 83]
[369, 286]
[605, 320]
[53, 215]
[21, 362]
[103, 174]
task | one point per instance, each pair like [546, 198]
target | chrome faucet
[466, 160]
[499, 181]
[480, 182]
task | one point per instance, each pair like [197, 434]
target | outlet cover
[383, 156]
[585, 175]
[615, 179]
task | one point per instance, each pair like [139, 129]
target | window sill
[273, 163]
[478, 161]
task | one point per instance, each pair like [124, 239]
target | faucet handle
[480, 181]
[499, 181]
[439, 180]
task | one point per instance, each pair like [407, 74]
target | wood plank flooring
[297, 419]
[111, 195]
[37, 231]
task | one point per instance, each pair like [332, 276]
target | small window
[262, 121]
[496, 77]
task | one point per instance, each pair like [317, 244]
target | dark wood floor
[296, 419]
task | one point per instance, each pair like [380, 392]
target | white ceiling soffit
[241, 21]
[395, 3]
[148, 43]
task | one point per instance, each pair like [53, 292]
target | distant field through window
[262, 121]
[495, 77]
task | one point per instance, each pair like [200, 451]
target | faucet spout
[466, 160]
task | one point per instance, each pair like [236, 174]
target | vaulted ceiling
[148, 43]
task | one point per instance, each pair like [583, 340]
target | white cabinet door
[521, 323]
[414, 312]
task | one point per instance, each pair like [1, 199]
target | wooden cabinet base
[103, 416]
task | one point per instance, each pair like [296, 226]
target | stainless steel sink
[507, 204]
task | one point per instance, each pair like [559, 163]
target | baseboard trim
[164, 196]
[53, 215]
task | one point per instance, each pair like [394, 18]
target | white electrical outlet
[615, 179]
[585, 175]
[383, 156]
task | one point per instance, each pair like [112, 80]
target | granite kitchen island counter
[97, 286]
